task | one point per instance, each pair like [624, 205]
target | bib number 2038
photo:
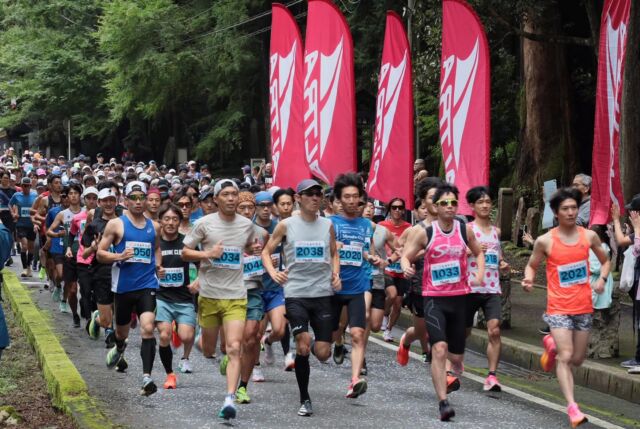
[309, 251]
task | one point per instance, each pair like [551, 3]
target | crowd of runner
[246, 265]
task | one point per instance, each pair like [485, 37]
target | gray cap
[307, 184]
[135, 186]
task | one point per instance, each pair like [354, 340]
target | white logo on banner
[614, 48]
[462, 88]
[281, 92]
[329, 77]
[390, 86]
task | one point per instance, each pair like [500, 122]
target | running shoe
[545, 330]
[357, 388]
[338, 354]
[228, 410]
[9, 262]
[453, 383]
[630, 363]
[305, 409]
[122, 365]
[42, 273]
[548, 358]
[56, 294]
[387, 336]
[402, 355]
[223, 364]
[185, 366]
[576, 417]
[28, 271]
[634, 370]
[148, 386]
[113, 357]
[289, 361]
[109, 338]
[269, 358]
[446, 411]
[94, 326]
[242, 397]
[385, 323]
[76, 321]
[426, 357]
[23, 273]
[171, 381]
[176, 342]
[257, 376]
[64, 307]
[491, 384]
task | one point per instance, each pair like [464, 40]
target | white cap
[91, 190]
[106, 193]
[13, 177]
[226, 182]
[135, 186]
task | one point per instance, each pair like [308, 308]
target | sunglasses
[450, 203]
[184, 204]
[397, 207]
[137, 197]
[313, 193]
[264, 205]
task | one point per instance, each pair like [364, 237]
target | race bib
[491, 259]
[351, 255]
[252, 267]
[394, 268]
[309, 251]
[173, 277]
[25, 211]
[445, 273]
[230, 258]
[83, 223]
[141, 251]
[573, 274]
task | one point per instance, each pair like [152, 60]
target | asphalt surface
[398, 397]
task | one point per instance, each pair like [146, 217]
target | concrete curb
[612, 381]
[64, 383]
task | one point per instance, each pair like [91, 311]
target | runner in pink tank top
[445, 288]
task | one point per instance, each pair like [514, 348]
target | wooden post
[505, 212]
[515, 235]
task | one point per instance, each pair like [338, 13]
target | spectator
[582, 182]
[419, 170]
[246, 176]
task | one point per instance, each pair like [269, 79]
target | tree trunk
[630, 120]
[547, 148]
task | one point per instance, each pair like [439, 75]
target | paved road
[398, 397]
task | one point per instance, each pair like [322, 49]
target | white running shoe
[185, 366]
[289, 361]
[385, 323]
[269, 358]
[257, 376]
[387, 336]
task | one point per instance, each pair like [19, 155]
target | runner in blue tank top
[136, 259]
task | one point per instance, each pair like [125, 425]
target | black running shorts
[490, 303]
[318, 312]
[140, 301]
[356, 310]
[445, 317]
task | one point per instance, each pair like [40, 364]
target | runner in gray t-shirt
[311, 277]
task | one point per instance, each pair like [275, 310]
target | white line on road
[515, 392]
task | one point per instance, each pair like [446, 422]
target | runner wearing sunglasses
[444, 286]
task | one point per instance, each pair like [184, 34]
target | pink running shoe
[576, 418]
[491, 384]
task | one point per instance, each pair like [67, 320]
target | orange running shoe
[171, 381]
[402, 355]
[453, 383]
[548, 358]
[175, 339]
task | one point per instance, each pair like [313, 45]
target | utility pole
[69, 139]
[410, 8]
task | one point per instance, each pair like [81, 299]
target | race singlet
[252, 267]
[173, 277]
[25, 212]
[351, 255]
[445, 273]
[573, 274]
[141, 251]
[230, 258]
[309, 251]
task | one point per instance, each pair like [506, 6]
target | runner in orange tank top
[569, 305]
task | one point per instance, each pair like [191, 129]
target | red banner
[329, 93]
[606, 187]
[285, 99]
[465, 109]
[391, 173]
